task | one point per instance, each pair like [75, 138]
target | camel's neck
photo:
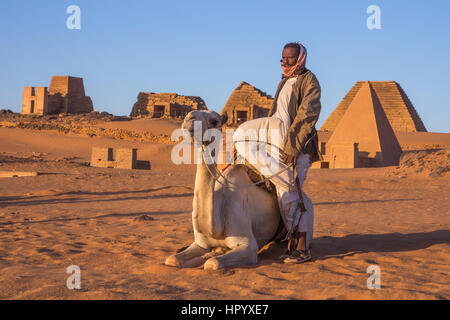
[207, 216]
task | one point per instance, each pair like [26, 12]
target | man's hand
[288, 159]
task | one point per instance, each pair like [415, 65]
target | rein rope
[236, 185]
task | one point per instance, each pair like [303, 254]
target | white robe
[265, 158]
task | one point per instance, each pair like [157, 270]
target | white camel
[230, 225]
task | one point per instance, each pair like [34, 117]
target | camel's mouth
[188, 126]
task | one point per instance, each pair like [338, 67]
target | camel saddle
[255, 176]
[253, 173]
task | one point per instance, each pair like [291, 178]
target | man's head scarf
[296, 69]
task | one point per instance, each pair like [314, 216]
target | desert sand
[119, 225]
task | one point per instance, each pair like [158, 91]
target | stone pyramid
[366, 124]
[248, 100]
[399, 110]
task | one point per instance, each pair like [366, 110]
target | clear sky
[206, 48]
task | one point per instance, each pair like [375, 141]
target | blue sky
[206, 48]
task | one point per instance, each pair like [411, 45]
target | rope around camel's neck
[228, 183]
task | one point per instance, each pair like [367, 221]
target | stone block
[12, 174]
[126, 158]
[102, 157]
[120, 158]
[344, 156]
[35, 100]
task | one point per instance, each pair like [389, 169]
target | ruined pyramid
[399, 110]
[364, 136]
[246, 103]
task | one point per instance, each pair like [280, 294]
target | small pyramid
[365, 123]
[399, 109]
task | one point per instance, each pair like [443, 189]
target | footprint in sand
[73, 251]
[260, 292]
[50, 252]
[143, 218]
[78, 245]
[170, 290]
[139, 255]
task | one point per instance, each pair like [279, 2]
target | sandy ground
[119, 226]
[157, 126]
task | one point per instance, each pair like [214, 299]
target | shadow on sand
[364, 201]
[338, 247]
[109, 215]
[53, 198]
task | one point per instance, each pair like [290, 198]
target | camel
[230, 224]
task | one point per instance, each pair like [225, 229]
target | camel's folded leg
[190, 257]
[241, 254]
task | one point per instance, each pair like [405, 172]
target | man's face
[289, 57]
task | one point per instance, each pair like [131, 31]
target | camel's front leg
[190, 257]
[244, 252]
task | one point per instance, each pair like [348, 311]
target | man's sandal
[298, 256]
[286, 254]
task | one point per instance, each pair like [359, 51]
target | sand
[119, 226]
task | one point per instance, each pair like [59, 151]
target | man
[293, 116]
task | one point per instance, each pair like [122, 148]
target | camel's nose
[188, 124]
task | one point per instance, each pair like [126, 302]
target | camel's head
[204, 120]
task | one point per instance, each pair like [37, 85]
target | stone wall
[71, 90]
[120, 158]
[166, 104]
[399, 110]
[65, 95]
[35, 100]
[245, 103]
[59, 85]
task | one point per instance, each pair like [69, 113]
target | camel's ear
[224, 118]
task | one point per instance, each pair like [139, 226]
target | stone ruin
[120, 158]
[399, 110]
[65, 95]
[246, 103]
[157, 105]
[363, 137]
